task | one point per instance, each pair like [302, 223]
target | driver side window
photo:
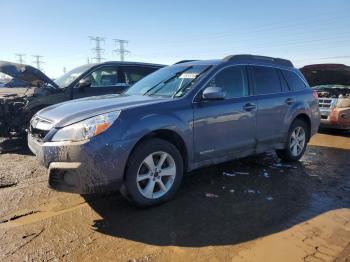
[233, 81]
[104, 76]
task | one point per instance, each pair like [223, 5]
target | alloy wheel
[297, 141]
[156, 175]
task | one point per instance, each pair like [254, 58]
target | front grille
[38, 134]
[39, 128]
[325, 103]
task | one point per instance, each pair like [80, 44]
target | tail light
[314, 94]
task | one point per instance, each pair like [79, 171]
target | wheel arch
[168, 135]
[304, 117]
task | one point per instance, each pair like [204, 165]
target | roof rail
[258, 58]
[184, 61]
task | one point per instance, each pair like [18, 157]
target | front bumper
[337, 118]
[93, 166]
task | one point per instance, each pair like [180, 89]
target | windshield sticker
[189, 75]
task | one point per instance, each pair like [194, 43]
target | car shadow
[334, 132]
[213, 209]
[17, 146]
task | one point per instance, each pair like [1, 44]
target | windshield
[171, 81]
[66, 79]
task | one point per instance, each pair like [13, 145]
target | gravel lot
[266, 212]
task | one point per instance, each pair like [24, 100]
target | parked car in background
[332, 83]
[182, 117]
[18, 105]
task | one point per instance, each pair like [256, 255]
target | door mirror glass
[83, 83]
[213, 93]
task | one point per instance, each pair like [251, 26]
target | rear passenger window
[266, 80]
[233, 80]
[294, 81]
[133, 74]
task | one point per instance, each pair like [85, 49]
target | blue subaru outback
[180, 118]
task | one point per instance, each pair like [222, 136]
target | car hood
[327, 74]
[26, 73]
[73, 111]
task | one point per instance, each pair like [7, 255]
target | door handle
[290, 101]
[249, 107]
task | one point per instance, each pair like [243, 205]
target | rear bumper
[94, 166]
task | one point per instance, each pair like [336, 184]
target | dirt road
[268, 212]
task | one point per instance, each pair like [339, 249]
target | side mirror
[83, 83]
[213, 93]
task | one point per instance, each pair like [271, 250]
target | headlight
[86, 129]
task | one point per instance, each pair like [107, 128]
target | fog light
[70, 179]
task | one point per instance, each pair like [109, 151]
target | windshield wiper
[163, 82]
[185, 86]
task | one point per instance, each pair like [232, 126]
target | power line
[97, 50]
[37, 61]
[121, 50]
[19, 58]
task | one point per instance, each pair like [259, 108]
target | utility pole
[121, 50]
[19, 58]
[37, 61]
[97, 50]
[64, 70]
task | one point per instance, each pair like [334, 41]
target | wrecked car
[332, 83]
[18, 105]
[15, 82]
[180, 118]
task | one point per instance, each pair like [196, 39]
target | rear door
[273, 101]
[104, 80]
[131, 74]
[224, 127]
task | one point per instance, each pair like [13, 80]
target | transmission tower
[19, 58]
[97, 50]
[121, 50]
[37, 61]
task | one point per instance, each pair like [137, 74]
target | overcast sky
[167, 31]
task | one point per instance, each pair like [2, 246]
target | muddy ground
[273, 213]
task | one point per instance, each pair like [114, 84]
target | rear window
[266, 80]
[133, 74]
[294, 81]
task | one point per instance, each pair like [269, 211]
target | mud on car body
[332, 83]
[18, 105]
[180, 118]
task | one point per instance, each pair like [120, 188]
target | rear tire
[296, 143]
[154, 173]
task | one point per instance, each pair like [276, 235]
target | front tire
[154, 173]
[296, 142]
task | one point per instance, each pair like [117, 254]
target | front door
[227, 126]
[104, 80]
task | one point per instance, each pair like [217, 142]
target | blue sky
[167, 31]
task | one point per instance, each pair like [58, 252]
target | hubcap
[297, 141]
[156, 175]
